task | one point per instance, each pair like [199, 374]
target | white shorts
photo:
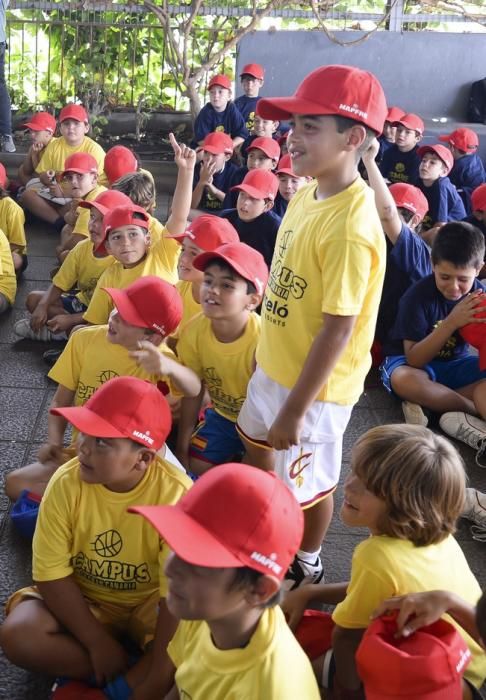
[44, 192]
[311, 469]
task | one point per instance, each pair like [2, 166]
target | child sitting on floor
[12, 223]
[41, 127]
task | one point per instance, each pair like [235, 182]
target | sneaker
[475, 511]
[23, 330]
[413, 414]
[50, 357]
[468, 429]
[7, 143]
[301, 572]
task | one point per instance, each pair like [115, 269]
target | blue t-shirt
[396, 166]
[260, 234]
[280, 205]
[221, 181]
[467, 173]
[384, 146]
[420, 311]
[247, 107]
[408, 261]
[230, 121]
[237, 178]
[445, 203]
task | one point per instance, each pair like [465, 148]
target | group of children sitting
[243, 342]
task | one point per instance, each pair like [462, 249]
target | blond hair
[419, 475]
[140, 187]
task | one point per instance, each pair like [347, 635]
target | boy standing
[251, 81]
[220, 114]
[400, 162]
[321, 301]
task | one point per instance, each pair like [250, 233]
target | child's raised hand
[371, 152]
[415, 610]
[184, 157]
[149, 357]
[294, 604]
[465, 310]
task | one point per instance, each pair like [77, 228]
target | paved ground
[25, 394]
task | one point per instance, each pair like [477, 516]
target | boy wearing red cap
[219, 346]
[119, 161]
[12, 223]
[253, 217]
[321, 302]
[220, 114]
[213, 174]
[251, 82]
[288, 184]
[400, 162]
[262, 154]
[477, 217]
[224, 586]
[131, 344]
[445, 203]
[41, 199]
[98, 571]
[388, 136]
[41, 129]
[468, 170]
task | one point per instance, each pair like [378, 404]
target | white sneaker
[475, 511]
[301, 572]
[23, 330]
[413, 414]
[468, 429]
[7, 142]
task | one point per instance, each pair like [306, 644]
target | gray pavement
[25, 394]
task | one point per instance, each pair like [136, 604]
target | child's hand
[150, 358]
[184, 157]
[294, 604]
[39, 317]
[51, 453]
[464, 312]
[206, 173]
[415, 610]
[285, 430]
[56, 190]
[371, 152]
[60, 323]
[108, 659]
[37, 146]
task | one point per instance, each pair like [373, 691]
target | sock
[118, 689]
[308, 557]
[59, 224]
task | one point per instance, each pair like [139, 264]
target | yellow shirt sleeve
[8, 280]
[12, 223]
[67, 369]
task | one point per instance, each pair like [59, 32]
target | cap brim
[127, 310]
[186, 537]
[286, 171]
[79, 171]
[216, 151]
[278, 108]
[36, 127]
[202, 260]
[252, 191]
[88, 422]
[93, 205]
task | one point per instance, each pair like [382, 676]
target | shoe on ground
[23, 330]
[414, 414]
[50, 357]
[300, 572]
[475, 511]
[467, 429]
[7, 143]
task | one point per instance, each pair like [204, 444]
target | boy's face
[288, 185]
[251, 85]
[122, 333]
[315, 145]
[406, 139]
[74, 131]
[224, 294]
[431, 168]
[249, 208]
[361, 508]
[40, 137]
[264, 127]
[257, 159]
[95, 226]
[216, 159]
[185, 268]
[128, 244]
[219, 98]
[114, 462]
[454, 282]
[80, 184]
[389, 132]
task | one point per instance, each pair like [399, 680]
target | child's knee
[13, 484]
[32, 300]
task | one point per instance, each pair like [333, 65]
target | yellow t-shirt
[12, 223]
[8, 281]
[82, 221]
[81, 269]
[329, 258]
[84, 530]
[225, 368]
[158, 261]
[383, 567]
[190, 307]
[271, 667]
[57, 150]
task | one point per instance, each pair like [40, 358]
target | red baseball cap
[218, 142]
[222, 80]
[339, 90]
[123, 407]
[119, 161]
[260, 184]
[441, 151]
[253, 69]
[81, 163]
[208, 232]
[246, 261]
[41, 121]
[427, 665]
[464, 139]
[109, 199]
[409, 197]
[263, 531]
[72, 111]
[3, 176]
[285, 166]
[149, 302]
[394, 114]
[269, 146]
[124, 215]
[475, 334]
[411, 121]
[478, 198]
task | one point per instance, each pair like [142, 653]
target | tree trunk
[194, 100]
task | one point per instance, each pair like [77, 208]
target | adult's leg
[5, 107]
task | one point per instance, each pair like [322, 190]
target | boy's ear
[265, 588]
[144, 459]
[86, 127]
[268, 205]
[418, 137]
[355, 137]
[254, 301]
[415, 221]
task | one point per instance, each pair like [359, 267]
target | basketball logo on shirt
[106, 375]
[220, 128]
[108, 544]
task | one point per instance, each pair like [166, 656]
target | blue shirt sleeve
[411, 255]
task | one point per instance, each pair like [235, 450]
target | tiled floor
[25, 393]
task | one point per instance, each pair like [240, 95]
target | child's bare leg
[415, 385]
[18, 260]
[33, 298]
[32, 638]
[40, 207]
[261, 457]
[479, 397]
[317, 519]
[33, 477]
